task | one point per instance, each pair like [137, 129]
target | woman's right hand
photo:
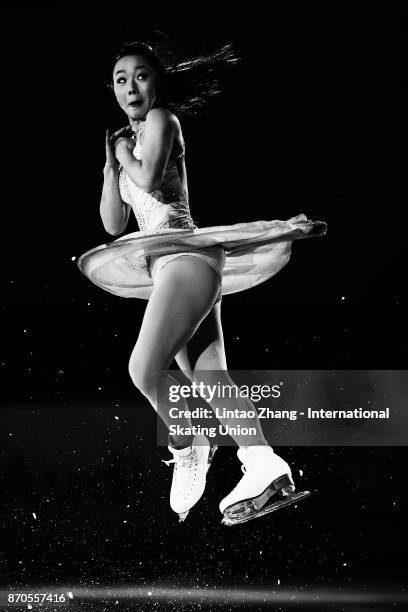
[111, 162]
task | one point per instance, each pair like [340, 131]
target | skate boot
[265, 475]
[189, 475]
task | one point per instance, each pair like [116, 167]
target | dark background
[313, 120]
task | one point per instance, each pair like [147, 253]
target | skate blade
[247, 511]
[283, 487]
[211, 454]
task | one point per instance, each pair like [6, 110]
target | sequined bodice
[163, 208]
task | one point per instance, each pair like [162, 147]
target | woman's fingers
[107, 142]
[119, 132]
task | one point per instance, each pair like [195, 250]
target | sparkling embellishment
[136, 265]
[171, 193]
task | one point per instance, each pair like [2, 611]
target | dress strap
[136, 135]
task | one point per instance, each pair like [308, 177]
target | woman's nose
[133, 87]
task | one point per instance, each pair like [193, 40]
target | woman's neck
[137, 124]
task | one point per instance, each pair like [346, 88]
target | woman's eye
[140, 77]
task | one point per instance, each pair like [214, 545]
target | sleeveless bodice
[254, 251]
[163, 208]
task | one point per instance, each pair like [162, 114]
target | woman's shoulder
[167, 119]
[162, 115]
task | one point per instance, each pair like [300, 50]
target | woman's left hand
[123, 144]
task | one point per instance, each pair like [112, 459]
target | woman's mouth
[135, 103]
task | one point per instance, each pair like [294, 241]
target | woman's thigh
[183, 295]
[205, 350]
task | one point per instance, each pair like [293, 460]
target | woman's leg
[184, 293]
[203, 358]
[266, 474]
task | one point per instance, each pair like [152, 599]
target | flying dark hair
[189, 83]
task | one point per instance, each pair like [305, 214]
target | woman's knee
[143, 377]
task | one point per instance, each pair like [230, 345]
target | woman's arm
[181, 168]
[114, 211]
[157, 145]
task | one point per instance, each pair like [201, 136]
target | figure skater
[182, 270]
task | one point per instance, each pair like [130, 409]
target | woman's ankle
[180, 442]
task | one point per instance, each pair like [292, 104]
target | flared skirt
[255, 252]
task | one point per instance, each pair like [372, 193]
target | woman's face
[135, 83]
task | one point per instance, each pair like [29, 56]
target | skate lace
[251, 463]
[185, 467]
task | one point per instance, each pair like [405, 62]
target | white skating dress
[246, 254]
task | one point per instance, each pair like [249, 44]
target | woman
[183, 270]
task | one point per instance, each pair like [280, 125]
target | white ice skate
[189, 475]
[265, 475]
